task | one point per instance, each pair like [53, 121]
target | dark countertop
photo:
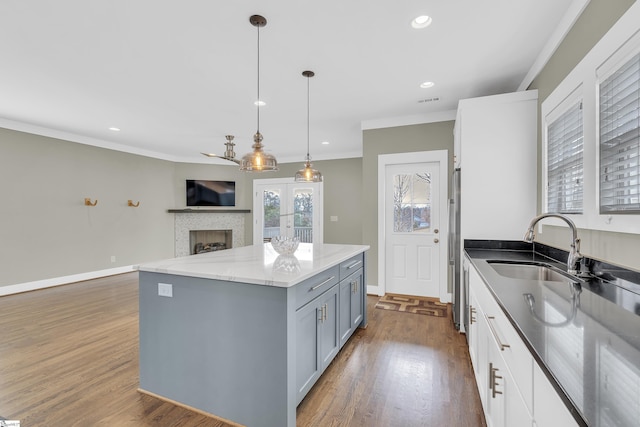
[585, 337]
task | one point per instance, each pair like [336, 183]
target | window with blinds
[620, 140]
[564, 162]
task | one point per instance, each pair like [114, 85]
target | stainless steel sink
[531, 271]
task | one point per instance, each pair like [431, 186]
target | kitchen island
[243, 334]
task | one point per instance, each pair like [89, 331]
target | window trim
[617, 44]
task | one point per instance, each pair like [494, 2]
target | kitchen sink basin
[531, 271]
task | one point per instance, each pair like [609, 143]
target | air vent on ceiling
[421, 101]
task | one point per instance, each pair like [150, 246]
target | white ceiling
[176, 76]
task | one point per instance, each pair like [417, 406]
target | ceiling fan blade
[236, 161]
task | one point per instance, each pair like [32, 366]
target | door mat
[411, 304]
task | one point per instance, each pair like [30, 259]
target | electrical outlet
[334, 218]
[165, 290]
[113, 258]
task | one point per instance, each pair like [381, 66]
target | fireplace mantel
[209, 210]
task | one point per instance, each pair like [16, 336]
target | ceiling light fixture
[308, 174]
[258, 160]
[420, 22]
[427, 85]
[114, 129]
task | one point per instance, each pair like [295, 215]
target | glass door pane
[303, 214]
[412, 203]
[271, 211]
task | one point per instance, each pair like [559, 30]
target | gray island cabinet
[243, 334]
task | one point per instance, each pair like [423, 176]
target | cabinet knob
[436, 240]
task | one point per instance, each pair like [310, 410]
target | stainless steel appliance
[455, 254]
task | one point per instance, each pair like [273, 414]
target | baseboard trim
[374, 290]
[63, 280]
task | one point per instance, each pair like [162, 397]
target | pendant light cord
[308, 121]
[258, 101]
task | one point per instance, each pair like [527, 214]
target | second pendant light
[308, 174]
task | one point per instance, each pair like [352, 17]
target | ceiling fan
[229, 154]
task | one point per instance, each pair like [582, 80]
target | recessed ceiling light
[115, 129]
[325, 142]
[260, 103]
[426, 85]
[422, 21]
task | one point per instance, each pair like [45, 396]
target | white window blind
[564, 162]
[620, 140]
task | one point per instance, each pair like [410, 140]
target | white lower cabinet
[549, 409]
[513, 390]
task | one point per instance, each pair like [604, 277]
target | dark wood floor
[69, 357]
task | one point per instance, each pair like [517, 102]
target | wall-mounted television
[211, 193]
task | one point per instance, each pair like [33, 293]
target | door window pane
[271, 204]
[412, 203]
[303, 214]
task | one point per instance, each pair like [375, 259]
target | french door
[283, 207]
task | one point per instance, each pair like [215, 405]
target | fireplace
[229, 223]
[201, 241]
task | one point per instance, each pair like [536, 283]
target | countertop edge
[181, 267]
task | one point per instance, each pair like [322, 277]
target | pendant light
[308, 174]
[258, 160]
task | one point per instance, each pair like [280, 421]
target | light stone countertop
[258, 264]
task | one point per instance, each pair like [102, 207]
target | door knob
[436, 240]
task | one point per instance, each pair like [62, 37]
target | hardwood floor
[69, 356]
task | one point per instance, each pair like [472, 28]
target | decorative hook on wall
[87, 202]
[130, 203]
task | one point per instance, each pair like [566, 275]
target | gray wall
[404, 139]
[45, 229]
[597, 18]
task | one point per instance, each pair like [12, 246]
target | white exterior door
[283, 207]
[414, 219]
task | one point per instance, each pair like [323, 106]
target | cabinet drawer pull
[495, 334]
[353, 265]
[323, 283]
[492, 380]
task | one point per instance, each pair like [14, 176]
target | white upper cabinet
[495, 144]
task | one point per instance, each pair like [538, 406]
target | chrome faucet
[573, 261]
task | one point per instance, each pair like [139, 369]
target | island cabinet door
[357, 306]
[329, 335]
[317, 339]
[351, 307]
[308, 365]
